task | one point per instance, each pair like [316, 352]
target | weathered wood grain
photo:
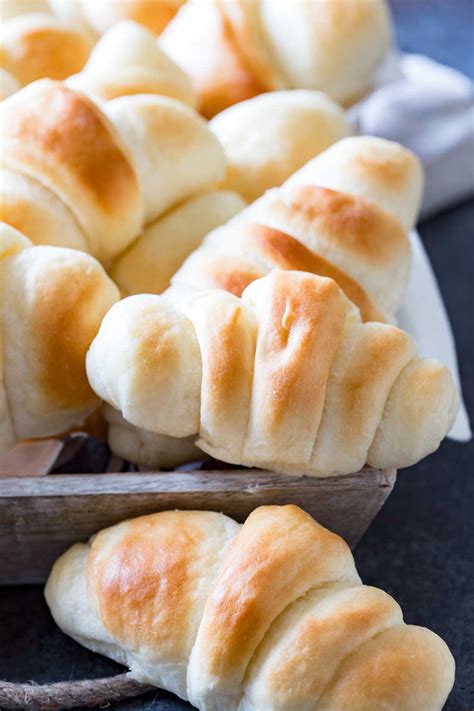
[41, 517]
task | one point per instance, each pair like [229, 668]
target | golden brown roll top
[234, 51]
[250, 251]
[345, 208]
[269, 615]
[358, 237]
[306, 320]
[52, 301]
[346, 647]
[287, 378]
[383, 172]
[61, 139]
[201, 41]
[368, 198]
[269, 137]
[37, 45]
[315, 634]
[127, 60]
[96, 175]
[261, 576]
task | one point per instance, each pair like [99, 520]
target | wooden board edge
[193, 481]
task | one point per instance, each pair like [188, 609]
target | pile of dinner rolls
[193, 242]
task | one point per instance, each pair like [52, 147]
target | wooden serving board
[42, 516]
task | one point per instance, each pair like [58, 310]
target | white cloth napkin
[423, 315]
[429, 108]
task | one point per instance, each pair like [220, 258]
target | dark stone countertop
[420, 548]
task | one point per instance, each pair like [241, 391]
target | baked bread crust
[269, 615]
[127, 60]
[351, 207]
[295, 127]
[52, 301]
[234, 51]
[287, 378]
[98, 174]
[37, 45]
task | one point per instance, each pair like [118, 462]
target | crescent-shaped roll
[98, 174]
[38, 45]
[269, 137]
[234, 51]
[52, 301]
[288, 378]
[270, 615]
[149, 263]
[345, 214]
[127, 60]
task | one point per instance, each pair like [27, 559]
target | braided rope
[70, 694]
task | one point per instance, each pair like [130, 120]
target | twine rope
[70, 694]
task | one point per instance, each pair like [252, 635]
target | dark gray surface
[421, 547]
[442, 29]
